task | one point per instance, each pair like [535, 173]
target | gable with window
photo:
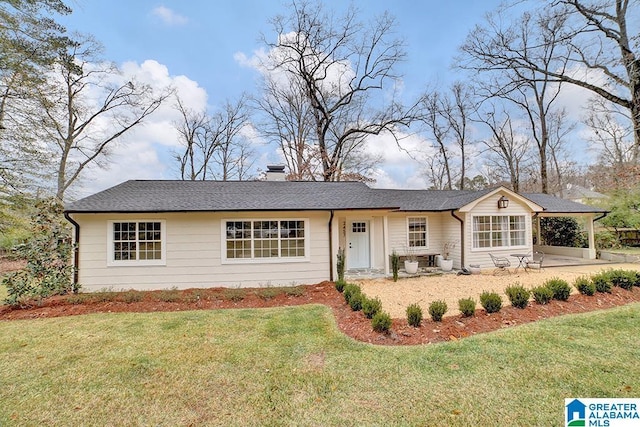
[499, 231]
[136, 242]
[265, 240]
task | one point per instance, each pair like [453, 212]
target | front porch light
[503, 203]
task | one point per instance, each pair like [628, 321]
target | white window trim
[264, 260]
[417, 248]
[111, 262]
[501, 248]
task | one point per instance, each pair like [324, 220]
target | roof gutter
[453, 214]
[76, 245]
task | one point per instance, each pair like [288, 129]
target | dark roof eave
[75, 211]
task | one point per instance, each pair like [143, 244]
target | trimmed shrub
[349, 290]
[414, 315]
[602, 282]
[636, 281]
[437, 309]
[356, 300]
[584, 285]
[371, 306]
[381, 322]
[560, 288]
[340, 284]
[491, 301]
[624, 279]
[542, 294]
[467, 306]
[518, 295]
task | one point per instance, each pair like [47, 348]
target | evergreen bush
[491, 301]
[542, 294]
[584, 285]
[371, 306]
[518, 295]
[437, 309]
[381, 322]
[414, 315]
[560, 288]
[467, 306]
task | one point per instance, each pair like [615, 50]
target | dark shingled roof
[552, 204]
[208, 196]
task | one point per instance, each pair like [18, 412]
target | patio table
[521, 260]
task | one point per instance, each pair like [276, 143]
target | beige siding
[193, 254]
[490, 207]
[398, 231]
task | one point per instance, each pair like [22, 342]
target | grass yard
[3, 294]
[291, 366]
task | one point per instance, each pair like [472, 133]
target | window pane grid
[499, 231]
[265, 239]
[417, 232]
[137, 241]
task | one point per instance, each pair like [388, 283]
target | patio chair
[535, 263]
[502, 264]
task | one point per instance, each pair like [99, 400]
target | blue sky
[197, 43]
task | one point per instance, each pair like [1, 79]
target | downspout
[453, 214]
[331, 246]
[600, 217]
[76, 244]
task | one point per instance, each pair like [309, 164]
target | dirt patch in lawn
[354, 324]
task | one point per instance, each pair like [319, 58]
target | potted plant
[411, 263]
[447, 263]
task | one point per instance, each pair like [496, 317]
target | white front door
[358, 245]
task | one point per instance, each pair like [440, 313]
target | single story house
[184, 234]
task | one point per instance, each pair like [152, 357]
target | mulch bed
[353, 324]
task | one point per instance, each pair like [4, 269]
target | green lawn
[291, 366]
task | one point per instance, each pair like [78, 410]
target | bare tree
[507, 151]
[288, 123]
[559, 130]
[435, 172]
[612, 134]
[195, 136]
[435, 119]
[341, 67]
[84, 110]
[234, 154]
[601, 39]
[214, 146]
[520, 59]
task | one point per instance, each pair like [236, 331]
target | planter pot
[439, 259]
[446, 265]
[475, 269]
[411, 267]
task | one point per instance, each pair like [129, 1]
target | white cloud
[146, 151]
[169, 17]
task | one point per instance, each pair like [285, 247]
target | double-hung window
[136, 242]
[499, 231]
[417, 232]
[266, 240]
